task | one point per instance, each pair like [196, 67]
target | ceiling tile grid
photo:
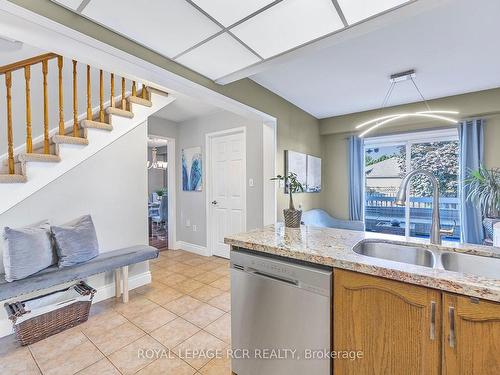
[219, 37]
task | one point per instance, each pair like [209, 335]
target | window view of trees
[441, 158]
[385, 166]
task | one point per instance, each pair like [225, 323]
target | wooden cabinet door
[472, 336]
[397, 326]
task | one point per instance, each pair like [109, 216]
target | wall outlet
[195, 228]
[188, 223]
[282, 184]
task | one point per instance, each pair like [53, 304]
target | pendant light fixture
[155, 163]
[442, 115]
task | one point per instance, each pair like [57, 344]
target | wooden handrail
[43, 60]
[27, 62]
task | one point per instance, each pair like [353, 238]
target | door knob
[214, 202]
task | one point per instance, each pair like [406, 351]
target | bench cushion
[54, 275]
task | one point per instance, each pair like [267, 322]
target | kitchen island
[415, 316]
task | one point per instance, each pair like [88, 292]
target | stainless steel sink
[472, 264]
[397, 253]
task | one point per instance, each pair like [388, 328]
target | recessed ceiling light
[358, 10]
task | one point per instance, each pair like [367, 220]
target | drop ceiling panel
[358, 10]
[218, 57]
[287, 25]
[168, 27]
[227, 12]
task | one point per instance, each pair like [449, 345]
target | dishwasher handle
[272, 277]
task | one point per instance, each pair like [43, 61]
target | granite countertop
[334, 247]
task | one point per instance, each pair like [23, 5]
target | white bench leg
[118, 283]
[125, 284]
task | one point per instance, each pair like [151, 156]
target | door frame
[208, 178]
[171, 193]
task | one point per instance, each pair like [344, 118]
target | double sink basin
[420, 256]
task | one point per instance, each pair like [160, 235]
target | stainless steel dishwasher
[280, 316]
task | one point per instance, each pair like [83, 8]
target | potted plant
[292, 216]
[161, 192]
[484, 189]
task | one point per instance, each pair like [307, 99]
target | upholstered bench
[117, 260]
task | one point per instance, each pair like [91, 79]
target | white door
[227, 189]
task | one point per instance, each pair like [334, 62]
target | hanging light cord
[388, 95]
[420, 93]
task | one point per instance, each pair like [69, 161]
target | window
[388, 159]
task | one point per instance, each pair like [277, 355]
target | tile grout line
[35, 360]
[104, 356]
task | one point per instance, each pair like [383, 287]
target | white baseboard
[104, 292]
[193, 248]
[135, 281]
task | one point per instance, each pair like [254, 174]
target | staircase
[26, 169]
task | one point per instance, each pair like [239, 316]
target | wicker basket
[61, 315]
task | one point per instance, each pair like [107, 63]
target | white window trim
[407, 140]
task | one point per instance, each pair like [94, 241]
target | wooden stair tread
[12, 179]
[140, 101]
[35, 157]
[91, 124]
[69, 140]
[119, 112]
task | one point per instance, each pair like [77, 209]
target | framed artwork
[313, 174]
[192, 172]
[296, 162]
[306, 167]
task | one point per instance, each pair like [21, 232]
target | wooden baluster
[10, 136]
[112, 95]
[89, 95]
[101, 96]
[46, 144]
[61, 99]
[75, 101]
[143, 93]
[134, 89]
[124, 102]
[29, 138]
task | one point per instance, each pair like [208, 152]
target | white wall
[111, 186]
[191, 133]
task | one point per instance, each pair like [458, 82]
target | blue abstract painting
[192, 171]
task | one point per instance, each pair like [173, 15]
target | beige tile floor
[186, 308]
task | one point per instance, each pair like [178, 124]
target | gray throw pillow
[76, 242]
[27, 250]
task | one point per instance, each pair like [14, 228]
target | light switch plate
[250, 182]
